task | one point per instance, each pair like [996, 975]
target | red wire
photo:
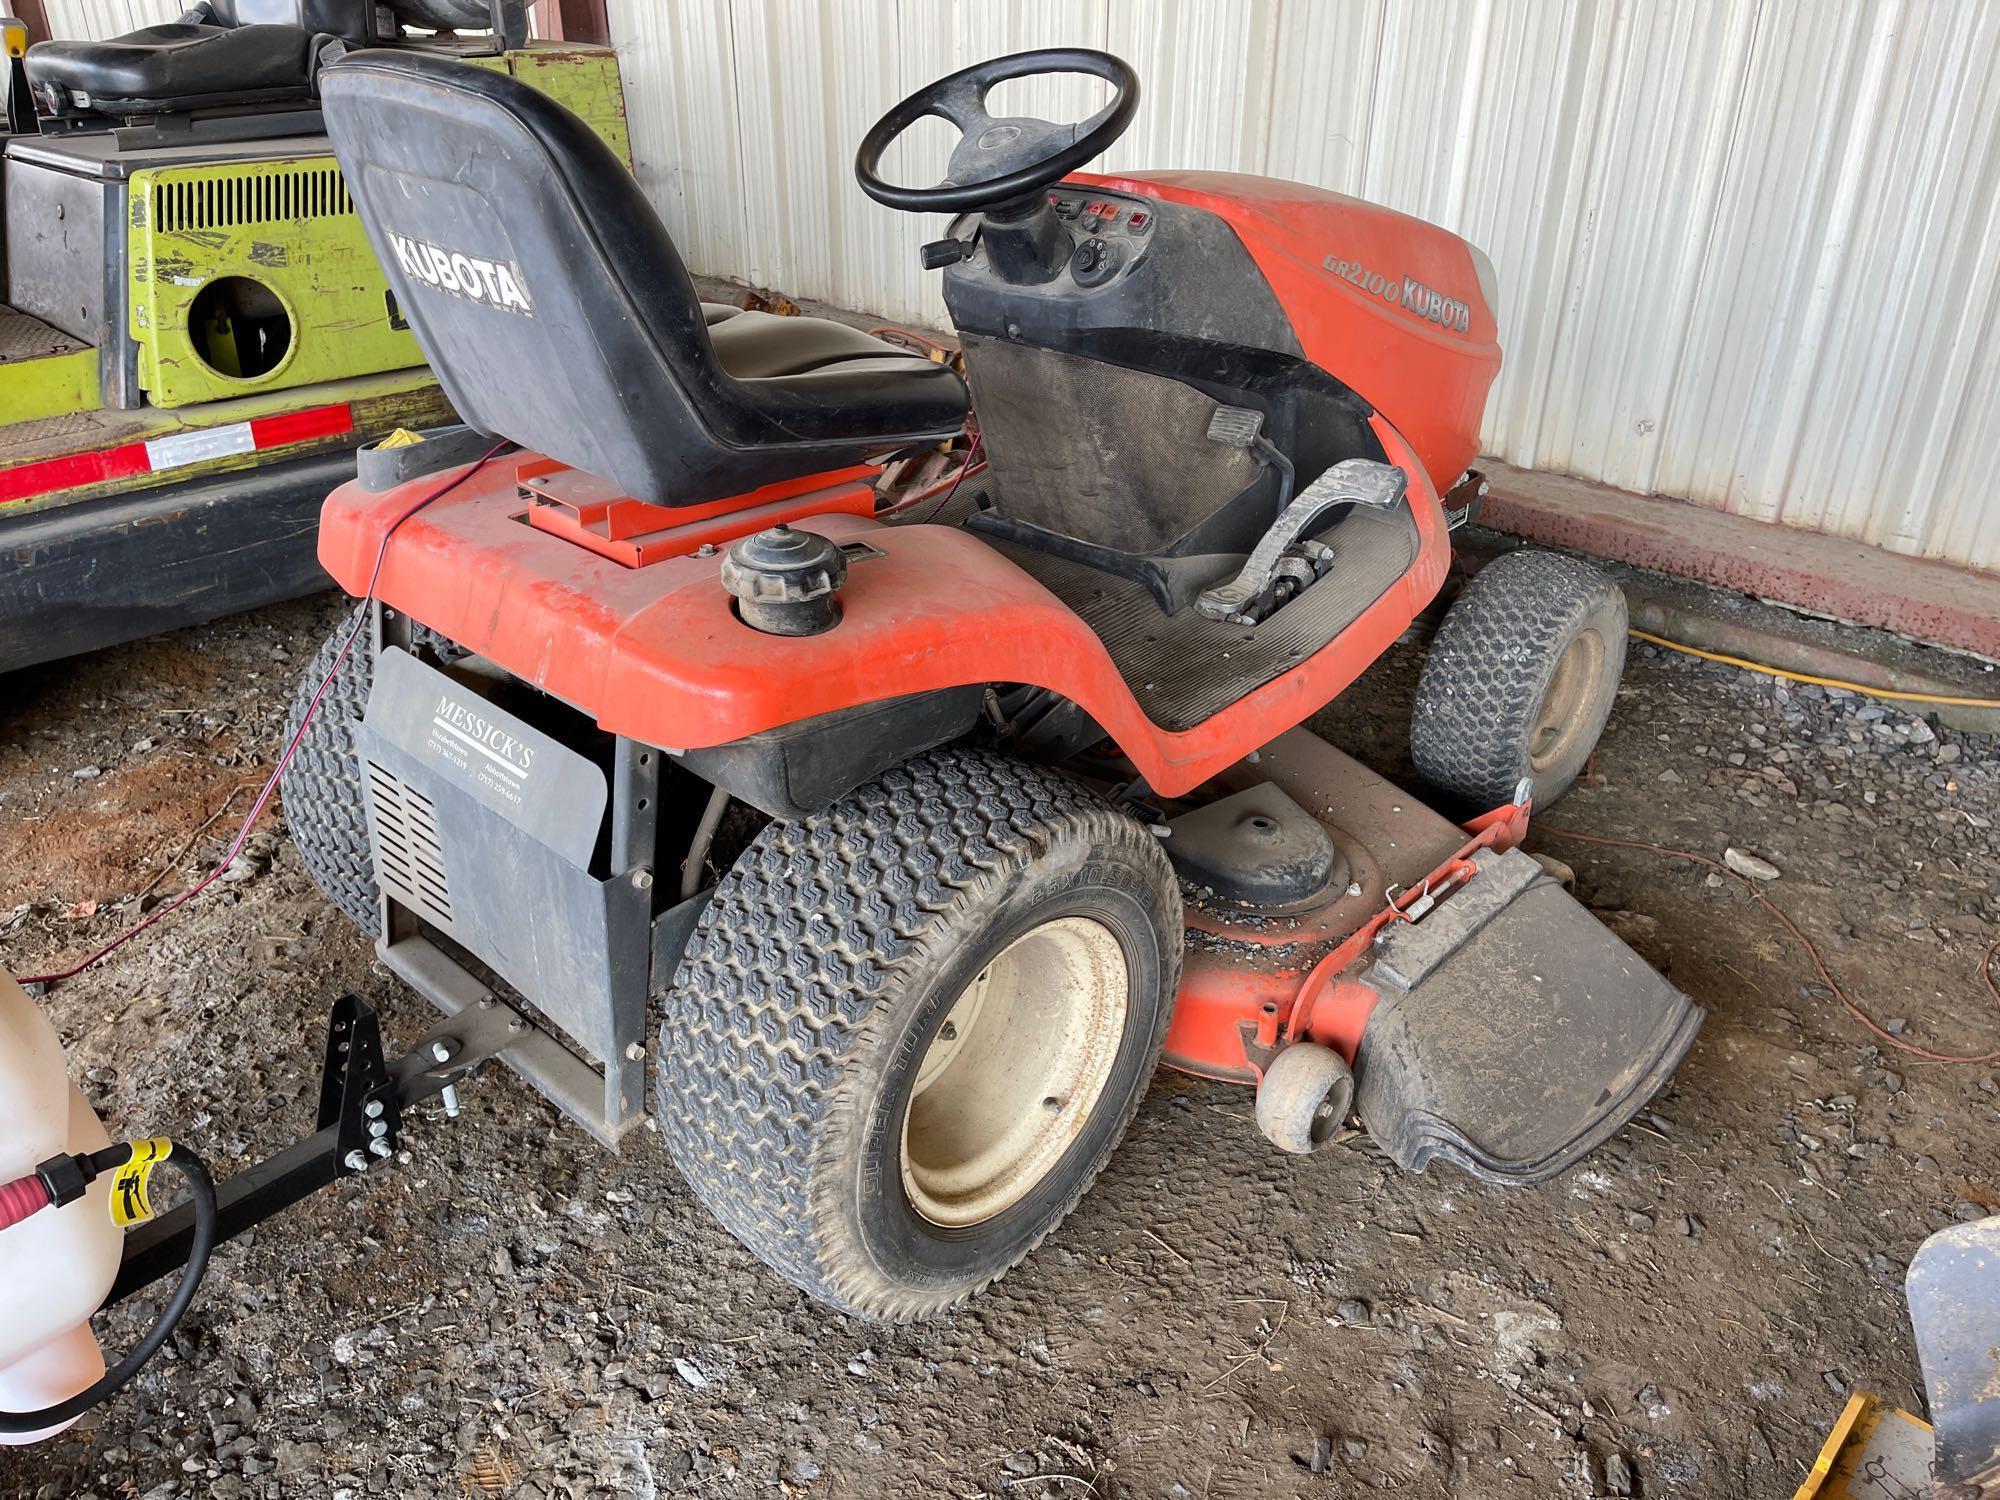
[1826, 975]
[971, 463]
[291, 748]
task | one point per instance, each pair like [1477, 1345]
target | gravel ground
[510, 1312]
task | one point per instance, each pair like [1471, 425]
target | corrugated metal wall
[102, 18]
[1749, 249]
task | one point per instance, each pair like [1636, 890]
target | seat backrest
[350, 20]
[542, 286]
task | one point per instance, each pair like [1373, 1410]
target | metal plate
[535, 782]
[1954, 1292]
[23, 338]
[484, 828]
[55, 250]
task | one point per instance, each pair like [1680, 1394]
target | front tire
[910, 1029]
[1520, 680]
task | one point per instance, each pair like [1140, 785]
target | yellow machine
[194, 332]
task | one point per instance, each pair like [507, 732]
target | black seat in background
[556, 312]
[232, 52]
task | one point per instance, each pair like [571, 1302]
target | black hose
[202, 1187]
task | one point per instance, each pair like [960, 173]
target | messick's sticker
[131, 1200]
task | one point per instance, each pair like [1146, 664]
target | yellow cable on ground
[1827, 682]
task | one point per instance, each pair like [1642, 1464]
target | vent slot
[273, 195]
[409, 858]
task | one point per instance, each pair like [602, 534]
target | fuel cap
[785, 581]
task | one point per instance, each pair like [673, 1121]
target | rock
[1351, 1310]
[87, 773]
[1748, 865]
[692, 1373]
[296, 1458]
[1618, 1477]
[1653, 1403]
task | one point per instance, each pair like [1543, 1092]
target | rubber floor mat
[1183, 668]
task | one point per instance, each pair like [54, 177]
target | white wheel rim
[1015, 1072]
[1559, 720]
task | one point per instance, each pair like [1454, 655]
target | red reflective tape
[301, 426]
[72, 470]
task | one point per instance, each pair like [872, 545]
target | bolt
[441, 1051]
[378, 1128]
[706, 549]
[450, 1098]
[947, 1032]
[1053, 1105]
[634, 1052]
[486, 1002]
[381, 1147]
[372, 1109]
[643, 878]
[516, 1026]
[355, 1161]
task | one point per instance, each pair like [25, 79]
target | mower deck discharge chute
[926, 830]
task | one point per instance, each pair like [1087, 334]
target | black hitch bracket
[359, 1092]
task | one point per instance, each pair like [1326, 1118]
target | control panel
[1112, 231]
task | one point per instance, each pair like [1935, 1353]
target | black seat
[222, 53]
[556, 312]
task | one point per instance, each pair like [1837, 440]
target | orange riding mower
[725, 707]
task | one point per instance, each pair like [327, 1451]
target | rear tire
[834, 1080]
[1520, 679]
[321, 789]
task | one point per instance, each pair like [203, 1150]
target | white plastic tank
[57, 1266]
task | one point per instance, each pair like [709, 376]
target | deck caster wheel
[1304, 1098]
[1520, 679]
[910, 1029]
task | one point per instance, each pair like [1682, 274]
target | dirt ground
[508, 1312]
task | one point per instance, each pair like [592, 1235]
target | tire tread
[778, 991]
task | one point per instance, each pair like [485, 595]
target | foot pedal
[1236, 426]
[1285, 562]
[1515, 1032]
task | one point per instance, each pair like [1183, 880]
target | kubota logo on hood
[493, 283]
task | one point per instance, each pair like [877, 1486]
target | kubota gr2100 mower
[926, 833]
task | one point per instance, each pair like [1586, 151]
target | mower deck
[1491, 1020]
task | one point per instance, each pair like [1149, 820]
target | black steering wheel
[996, 160]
